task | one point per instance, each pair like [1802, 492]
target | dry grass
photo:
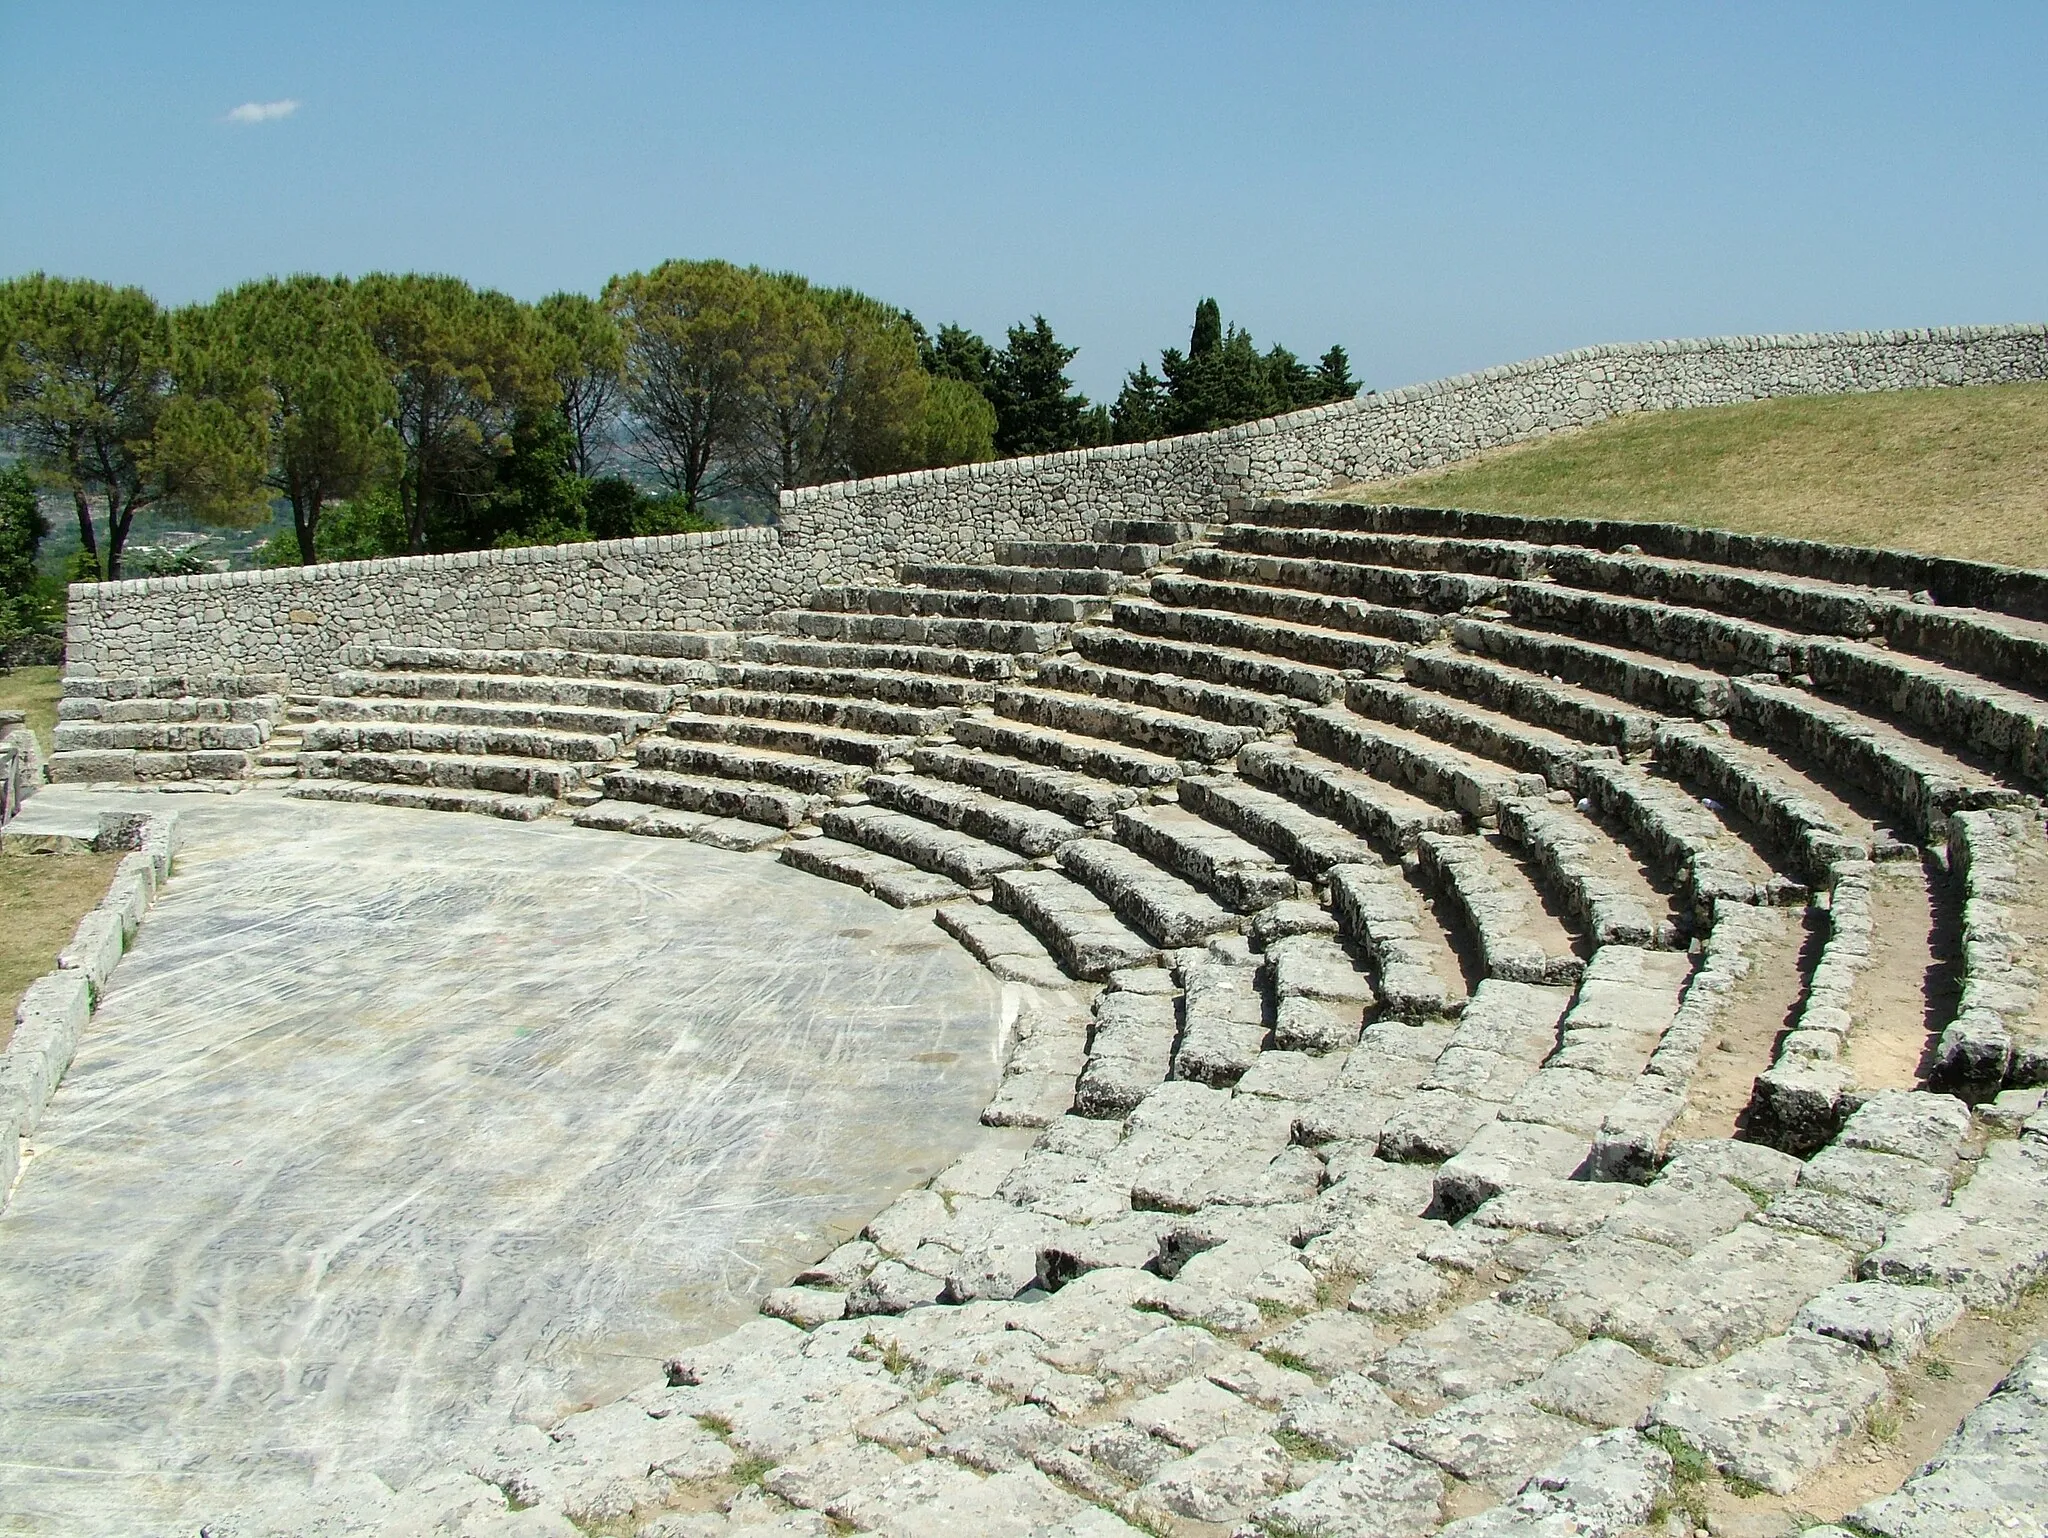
[42, 898]
[1961, 472]
[35, 691]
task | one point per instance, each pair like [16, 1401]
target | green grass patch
[42, 898]
[1958, 472]
[33, 690]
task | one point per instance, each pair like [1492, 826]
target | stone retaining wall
[297, 620]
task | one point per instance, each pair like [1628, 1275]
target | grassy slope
[1953, 472]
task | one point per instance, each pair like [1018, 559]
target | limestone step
[842, 745]
[498, 688]
[876, 717]
[1587, 875]
[1081, 797]
[430, 798]
[647, 821]
[257, 709]
[1147, 531]
[1152, 901]
[1414, 971]
[1322, 610]
[1517, 940]
[702, 645]
[1177, 696]
[1220, 666]
[123, 765]
[949, 661]
[1485, 734]
[2002, 726]
[1009, 950]
[961, 857]
[915, 691]
[1240, 874]
[1079, 581]
[1919, 782]
[377, 736]
[971, 635]
[1165, 732]
[1392, 818]
[1319, 561]
[778, 806]
[1078, 927]
[1806, 835]
[897, 883]
[1109, 556]
[196, 736]
[953, 603]
[994, 819]
[1511, 559]
[1674, 688]
[809, 775]
[1274, 638]
[541, 662]
[174, 686]
[1304, 840]
[1064, 750]
[512, 776]
[1681, 837]
[1695, 636]
[1223, 1022]
[583, 719]
[1435, 771]
[1573, 712]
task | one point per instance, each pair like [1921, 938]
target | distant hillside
[1954, 472]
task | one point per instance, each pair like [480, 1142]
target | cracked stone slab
[1775, 1412]
[1893, 1323]
[1738, 1289]
[1496, 1439]
[1603, 1383]
[1482, 1346]
[1378, 1489]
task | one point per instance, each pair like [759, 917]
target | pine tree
[1038, 411]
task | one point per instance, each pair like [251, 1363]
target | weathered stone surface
[1607, 1486]
[1773, 1413]
[1736, 1290]
[1482, 1346]
[1990, 1476]
[1378, 1489]
[1496, 1439]
[1346, 1413]
[1217, 1483]
[1602, 1383]
[1326, 1343]
[1891, 1322]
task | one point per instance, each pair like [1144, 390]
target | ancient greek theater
[1142, 990]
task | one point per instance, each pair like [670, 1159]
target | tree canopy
[1223, 379]
[402, 412]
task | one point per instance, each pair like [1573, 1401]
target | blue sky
[1438, 187]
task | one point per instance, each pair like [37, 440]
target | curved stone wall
[297, 620]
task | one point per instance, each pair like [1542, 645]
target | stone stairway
[1393, 911]
[509, 733]
[165, 728]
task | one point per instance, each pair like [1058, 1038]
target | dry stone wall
[298, 620]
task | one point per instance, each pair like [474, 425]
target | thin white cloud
[262, 111]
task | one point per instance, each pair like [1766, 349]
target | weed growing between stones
[717, 1425]
[1690, 1471]
[1295, 1445]
[750, 1470]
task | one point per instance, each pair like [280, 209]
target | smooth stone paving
[395, 1127]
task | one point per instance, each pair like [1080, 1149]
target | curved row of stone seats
[2004, 725]
[1794, 584]
[1998, 1037]
[973, 603]
[507, 732]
